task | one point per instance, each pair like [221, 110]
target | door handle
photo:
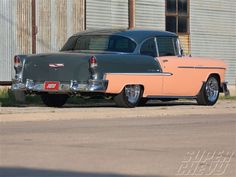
[164, 61]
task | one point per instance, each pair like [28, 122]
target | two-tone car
[129, 66]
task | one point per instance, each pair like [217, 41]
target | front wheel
[129, 97]
[54, 100]
[209, 92]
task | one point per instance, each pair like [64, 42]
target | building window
[177, 16]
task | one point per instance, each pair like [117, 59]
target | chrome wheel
[133, 92]
[209, 93]
[129, 97]
[212, 89]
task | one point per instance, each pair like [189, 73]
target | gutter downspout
[131, 14]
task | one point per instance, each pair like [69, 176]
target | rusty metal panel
[43, 23]
[184, 40]
[78, 15]
[61, 17]
[75, 16]
[56, 20]
[15, 33]
[24, 30]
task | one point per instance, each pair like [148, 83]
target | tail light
[17, 61]
[93, 62]
[18, 66]
[93, 67]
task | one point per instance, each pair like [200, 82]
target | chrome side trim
[144, 74]
[200, 67]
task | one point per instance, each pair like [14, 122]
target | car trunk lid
[57, 67]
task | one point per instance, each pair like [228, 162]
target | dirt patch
[110, 111]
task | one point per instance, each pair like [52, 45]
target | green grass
[222, 97]
[7, 99]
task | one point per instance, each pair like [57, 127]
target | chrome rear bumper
[69, 87]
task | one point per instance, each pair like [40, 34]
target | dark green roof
[136, 34]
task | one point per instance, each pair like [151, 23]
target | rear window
[149, 48]
[111, 43]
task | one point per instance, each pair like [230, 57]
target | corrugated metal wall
[106, 14]
[150, 14]
[56, 20]
[213, 31]
[212, 26]
[15, 33]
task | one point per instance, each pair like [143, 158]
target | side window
[149, 48]
[167, 46]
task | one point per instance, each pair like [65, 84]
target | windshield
[111, 43]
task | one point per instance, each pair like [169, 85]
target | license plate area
[51, 85]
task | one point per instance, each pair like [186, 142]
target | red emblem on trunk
[51, 85]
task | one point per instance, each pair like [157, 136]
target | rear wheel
[209, 92]
[54, 100]
[129, 97]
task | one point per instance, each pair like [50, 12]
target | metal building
[107, 14]
[205, 27]
[213, 32]
[15, 37]
[29, 26]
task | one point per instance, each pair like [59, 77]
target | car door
[181, 80]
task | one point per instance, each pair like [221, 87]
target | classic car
[129, 66]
